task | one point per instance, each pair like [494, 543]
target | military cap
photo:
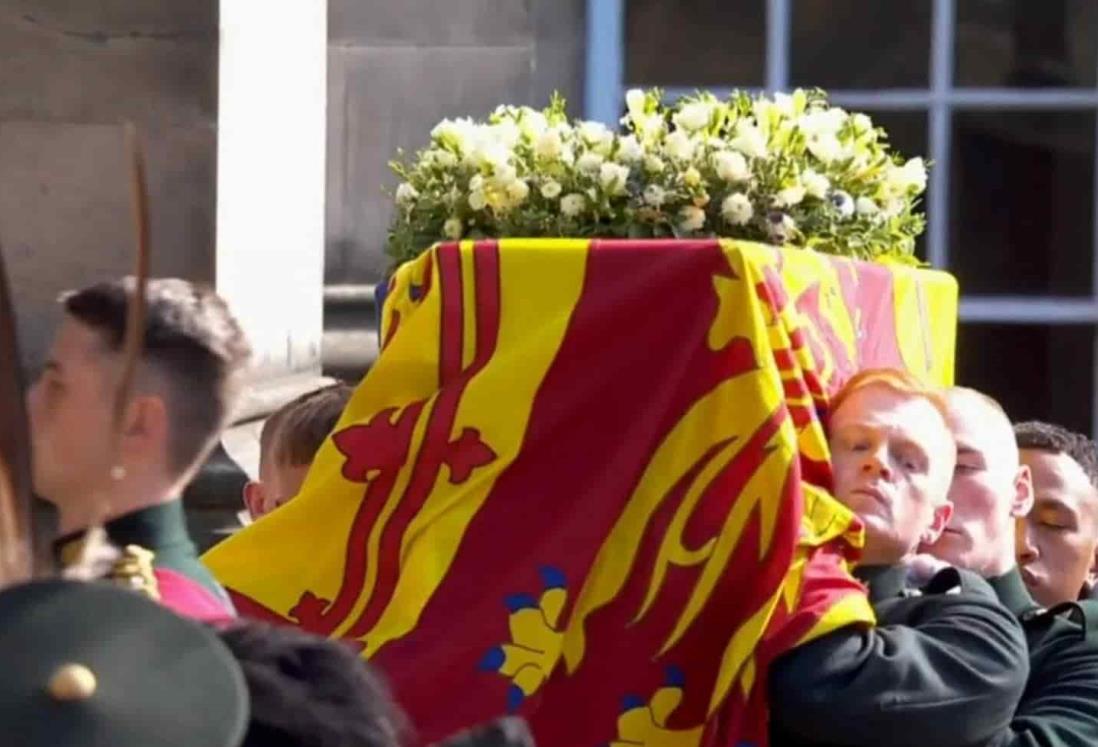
[95, 665]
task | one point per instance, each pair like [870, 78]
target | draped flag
[586, 482]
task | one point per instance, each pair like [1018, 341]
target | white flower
[589, 163]
[825, 147]
[612, 177]
[440, 157]
[693, 116]
[679, 146]
[655, 195]
[653, 165]
[843, 203]
[548, 145]
[787, 104]
[596, 136]
[815, 184]
[911, 175]
[551, 189]
[518, 191]
[507, 133]
[452, 228]
[476, 184]
[572, 205]
[629, 150]
[635, 100]
[406, 194]
[866, 206]
[477, 200]
[789, 196]
[455, 133]
[731, 166]
[862, 123]
[737, 209]
[822, 121]
[691, 218]
[691, 177]
[749, 140]
[532, 123]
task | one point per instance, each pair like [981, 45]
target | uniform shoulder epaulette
[134, 570]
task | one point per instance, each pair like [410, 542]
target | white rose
[589, 163]
[612, 177]
[789, 196]
[911, 174]
[679, 146]
[691, 177]
[454, 132]
[693, 116]
[866, 206]
[548, 145]
[785, 104]
[477, 200]
[691, 218]
[596, 136]
[825, 147]
[749, 140]
[862, 123]
[731, 166]
[815, 184]
[406, 194]
[452, 228]
[551, 189]
[822, 121]
[653, 165]
[518, 191]
[572, 205]
[655, 195]
[532, 123]
[737, 209]
[504, 174]
[507, 133]
[629, 150]
[476, 184]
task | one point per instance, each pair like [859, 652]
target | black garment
[946, 665]
[1059, 707]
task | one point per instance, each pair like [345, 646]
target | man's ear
[144, 427]
[942, 514]
[1023, 493]
[254, 498]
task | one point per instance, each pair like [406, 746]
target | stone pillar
[229, 100]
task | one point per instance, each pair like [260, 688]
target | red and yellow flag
[586, 482]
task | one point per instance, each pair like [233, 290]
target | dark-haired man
[185, 387]
[1058, 541]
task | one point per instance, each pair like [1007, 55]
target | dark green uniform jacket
[161, 529]
[1059, 707]
[945, 666]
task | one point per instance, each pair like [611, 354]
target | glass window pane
[695, 43]
[860, 44]
[1035, 371]
[1021, 43]
[1022, 202]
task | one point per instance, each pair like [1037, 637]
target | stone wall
[70, 73]
[396, 68]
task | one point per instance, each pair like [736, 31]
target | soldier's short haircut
[1034, 434]
[894, 379]
[191, 342]
[308, 691]
[294, 433]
